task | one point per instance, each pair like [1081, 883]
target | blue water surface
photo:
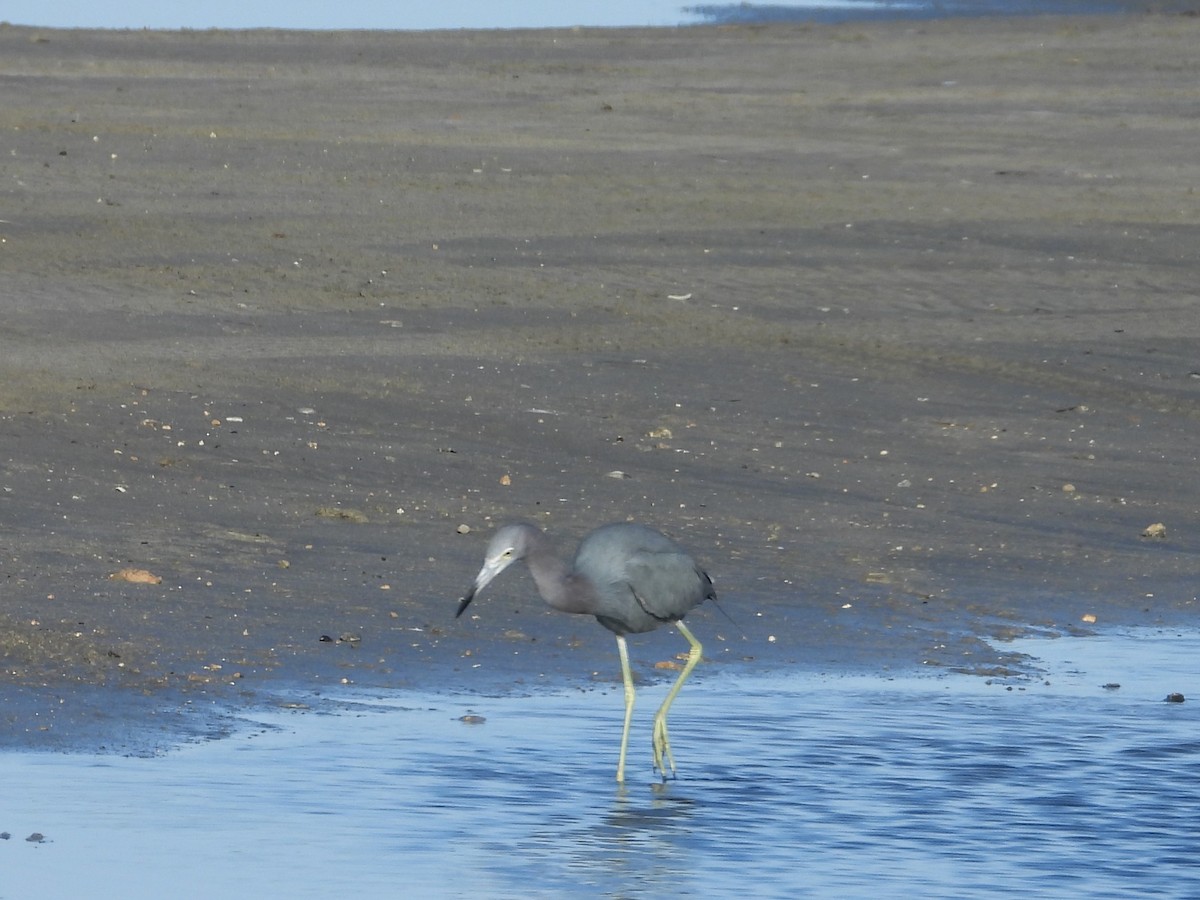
[804, 785]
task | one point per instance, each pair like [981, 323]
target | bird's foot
[664, 762]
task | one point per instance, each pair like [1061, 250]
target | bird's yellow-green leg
[662, 744]
[627, 678]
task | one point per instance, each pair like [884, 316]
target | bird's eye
[507, 553]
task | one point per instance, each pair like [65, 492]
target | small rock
[36, 838]
[463, 529]
[1157, 530]
[1090, 618]
[472, 720]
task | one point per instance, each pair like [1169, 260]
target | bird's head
[507, 545]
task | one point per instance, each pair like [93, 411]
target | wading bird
[630, 577]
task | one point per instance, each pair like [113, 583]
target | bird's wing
[667, 583]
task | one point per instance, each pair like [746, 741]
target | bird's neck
[559, 587]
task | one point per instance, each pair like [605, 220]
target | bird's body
[632, 578]
[641, 578]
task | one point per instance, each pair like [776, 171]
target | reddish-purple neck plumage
[559, 586]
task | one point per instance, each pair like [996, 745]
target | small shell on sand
[136, 576]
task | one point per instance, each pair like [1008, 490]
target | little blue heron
[630, 577]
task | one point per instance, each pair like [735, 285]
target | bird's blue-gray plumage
[641, 578]
[632, 578]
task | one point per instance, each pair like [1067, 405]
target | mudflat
[894, 325]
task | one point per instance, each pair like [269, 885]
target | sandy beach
[894, 325]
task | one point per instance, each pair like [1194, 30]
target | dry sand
[894, 325]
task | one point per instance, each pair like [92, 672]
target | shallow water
[801, 785]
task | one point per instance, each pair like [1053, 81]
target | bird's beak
[491, 568]
[466, 601]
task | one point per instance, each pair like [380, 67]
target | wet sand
[893, 324]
